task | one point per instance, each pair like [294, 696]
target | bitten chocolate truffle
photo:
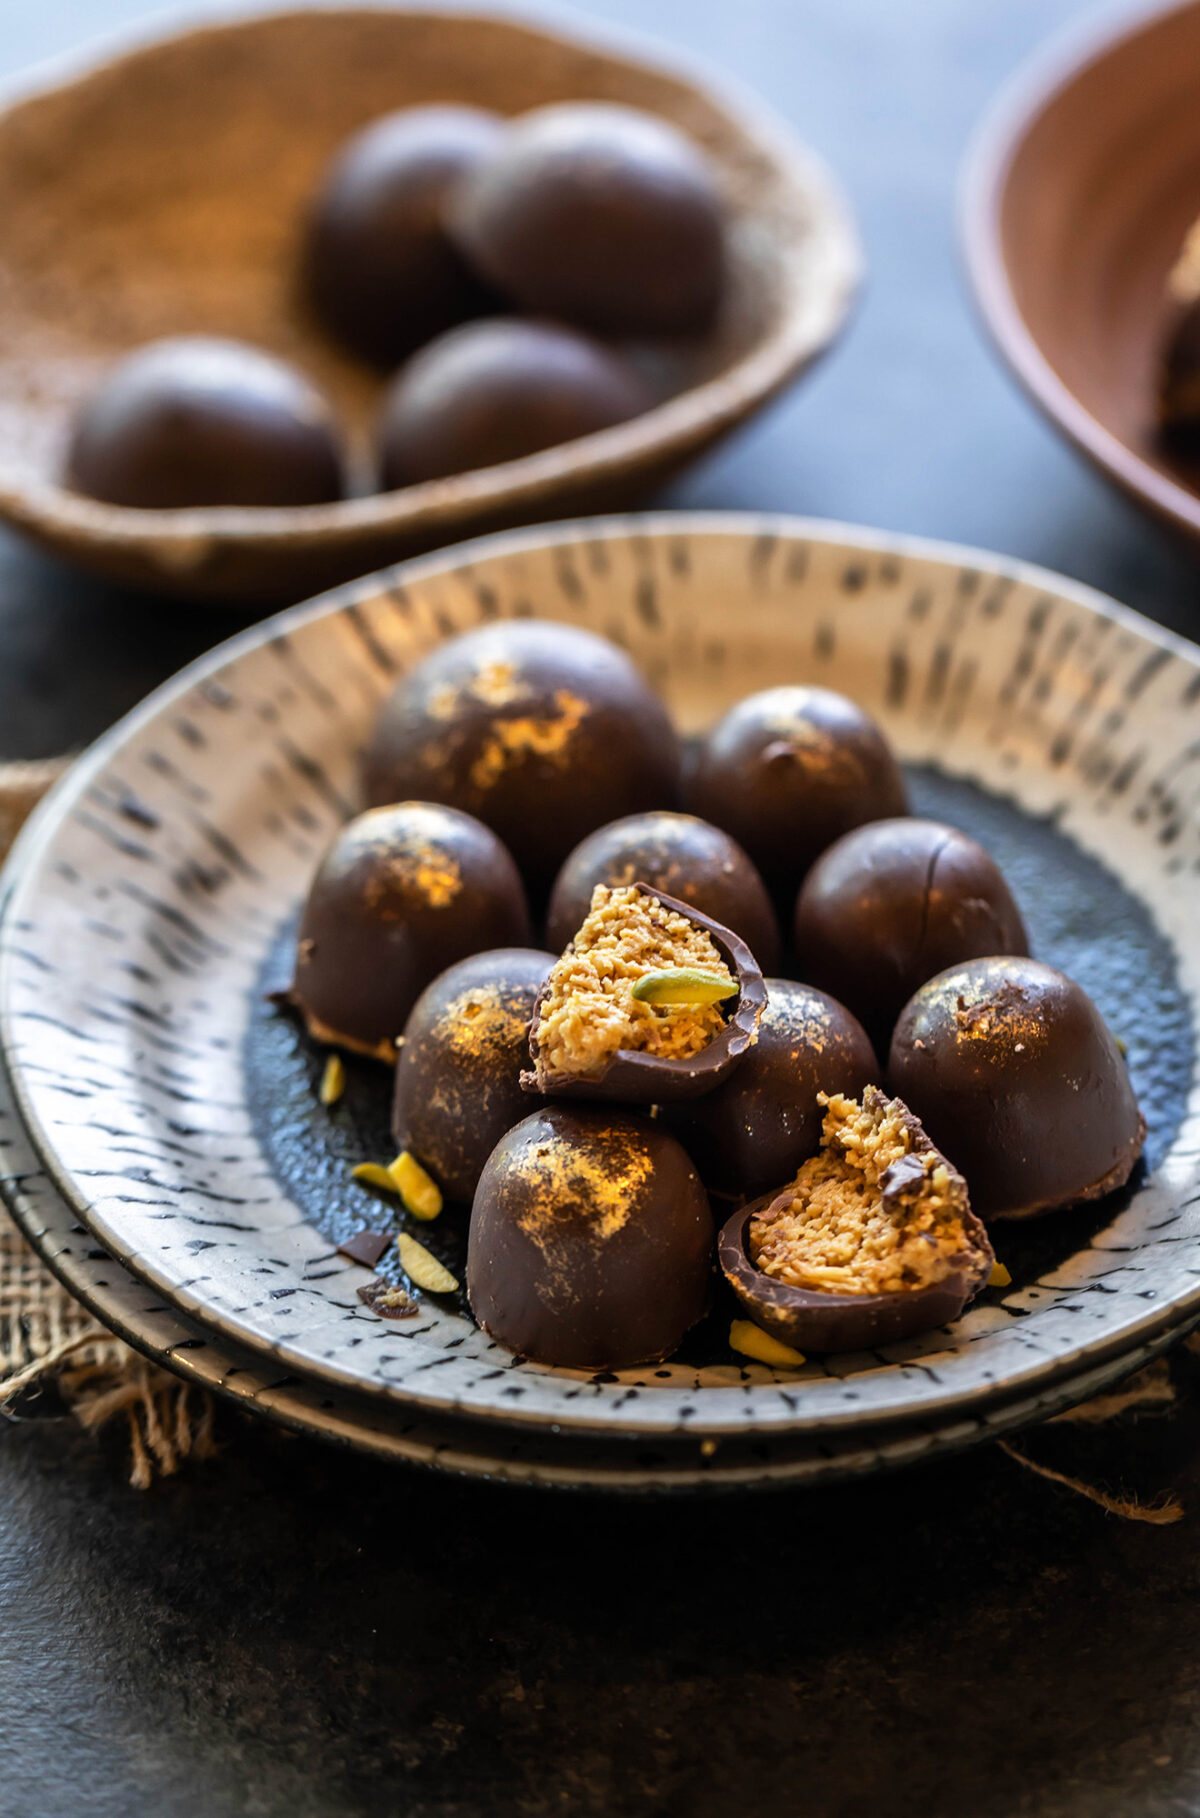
[192, 421]
[788, 771]
[402, 893]
[764, 1120]
[458, 1073]
[496, 390]
[381, 270]
[889, 905]
[872, 1242]
[676, 853]
[600, 215]
[591, 1241]
[651, 1002]
[1011, 1068]
[541, 730]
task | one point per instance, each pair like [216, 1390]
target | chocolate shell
[591, 1240]
[891, 904]
[812, 1321]
[1010, 1066]
[458, 1073]
[634, 1078]
[677, 853]
[402, 893]
[763, 1120]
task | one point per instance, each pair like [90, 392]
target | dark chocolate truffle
[763, 1121]
[873, 1242]
[458, 1073]
[541, 730]
[381, 269]
[402, 893]
[600, 215]
[591, 1241]
[1013, 1071]
[194, 421]
[676, 853]
[788, 771]
[651, 1002]
[887, 906]
[494, 391]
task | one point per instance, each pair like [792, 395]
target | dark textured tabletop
[285, 1631]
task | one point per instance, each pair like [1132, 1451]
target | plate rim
[745, 525]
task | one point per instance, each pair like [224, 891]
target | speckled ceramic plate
[501, 1454]
[151, 899]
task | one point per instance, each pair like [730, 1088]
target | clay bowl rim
[993, 151]
[675, 428]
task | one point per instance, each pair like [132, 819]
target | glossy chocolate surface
[635, 1078]
[1012, 1070]
[195, 420]
[600, 215]
[541, 730]
[687, 858]
[458, 1072]
[381, 270]
[788, 771]
[591, 1240]
[889, 905]
[758, 1126]
[403, 892]
[493, 391]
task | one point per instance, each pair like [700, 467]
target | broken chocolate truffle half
[651, 1002]
[402, 893]
[873, 1241]
[591, 1240]
[1010, 1061]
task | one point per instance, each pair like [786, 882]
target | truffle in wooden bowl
[136, 207]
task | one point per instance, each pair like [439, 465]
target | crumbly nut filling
[877, 1210]
[589, 1011]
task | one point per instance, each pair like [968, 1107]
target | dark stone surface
[289, 1632]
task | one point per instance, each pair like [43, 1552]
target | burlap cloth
[51, 1345]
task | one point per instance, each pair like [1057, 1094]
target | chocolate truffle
[402, 893]
[496, 390]
[197, 421]
[1011, 1068]
[458, 1073]
[651, 1002]
[600, 215]
[1179, 369]
[382, 271]
[591, 1241]
[788, 771]
[693, 862]
[541, 730]
[763, 1121]
[887, 906]
[872, 1242]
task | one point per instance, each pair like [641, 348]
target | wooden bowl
[1076, 198]
[163, 191]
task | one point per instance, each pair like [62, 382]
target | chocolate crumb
[388, 1302]
[365, 1247]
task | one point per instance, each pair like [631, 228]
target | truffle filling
[589, 1010]
[877, 1210]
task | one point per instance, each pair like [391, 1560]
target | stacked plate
[165, 1150]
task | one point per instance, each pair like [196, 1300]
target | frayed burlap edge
[47, 1338]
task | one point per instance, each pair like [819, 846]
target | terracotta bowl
[162, 191]
[1077, 195]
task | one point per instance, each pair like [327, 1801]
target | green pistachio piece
[683, 985]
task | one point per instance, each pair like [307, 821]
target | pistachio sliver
[423, 1268]
[373, 1174]
[752, 1341]
[333, 1080]
[683, 985]
[999, 1277]
[418, 1191]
